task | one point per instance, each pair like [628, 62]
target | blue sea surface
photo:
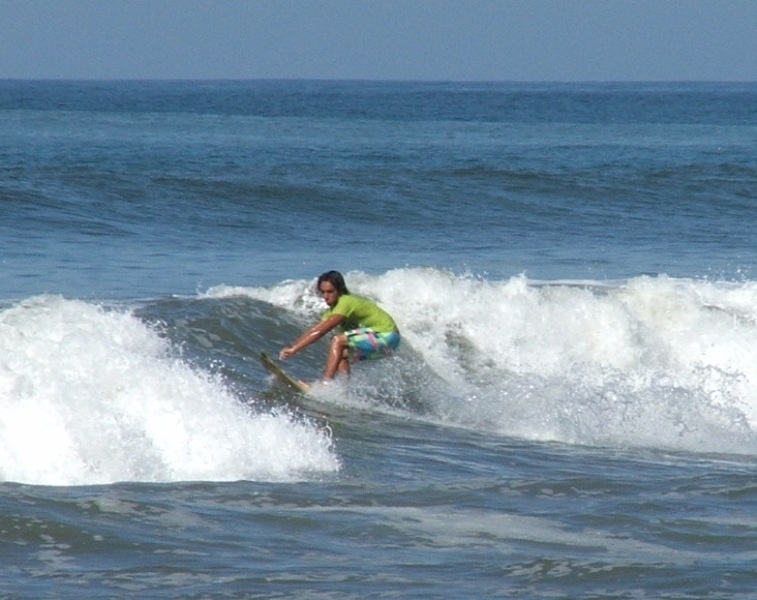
[573, 410]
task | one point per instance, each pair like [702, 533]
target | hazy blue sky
[519, 40]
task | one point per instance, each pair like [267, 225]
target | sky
[426, 40]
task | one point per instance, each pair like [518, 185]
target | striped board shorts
[366, 344]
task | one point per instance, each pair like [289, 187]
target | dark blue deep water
[573, 412]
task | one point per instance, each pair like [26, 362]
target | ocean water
[573, 410]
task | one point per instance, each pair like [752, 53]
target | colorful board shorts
[366, 344]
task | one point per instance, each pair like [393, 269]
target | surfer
[366, 331]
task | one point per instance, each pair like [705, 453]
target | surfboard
[281, 375]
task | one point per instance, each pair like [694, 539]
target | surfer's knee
[339, 342]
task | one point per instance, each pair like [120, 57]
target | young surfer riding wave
[366, 330]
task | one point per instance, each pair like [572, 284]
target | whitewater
[651, 362]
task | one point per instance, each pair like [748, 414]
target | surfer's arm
[312, 335]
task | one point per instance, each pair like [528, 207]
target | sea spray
[90, 395]
[652, 361]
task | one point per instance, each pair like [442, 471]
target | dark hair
[334, 278]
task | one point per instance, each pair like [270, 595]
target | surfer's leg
[337, 358]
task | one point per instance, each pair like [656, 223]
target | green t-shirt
[359, 312]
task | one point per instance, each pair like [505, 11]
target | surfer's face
[329, 293]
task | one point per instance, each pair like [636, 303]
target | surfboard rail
[281, 375]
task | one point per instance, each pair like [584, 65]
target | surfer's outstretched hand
[286, 352]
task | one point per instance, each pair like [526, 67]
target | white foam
[296, 294]
[89, 395]
[651, 361]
